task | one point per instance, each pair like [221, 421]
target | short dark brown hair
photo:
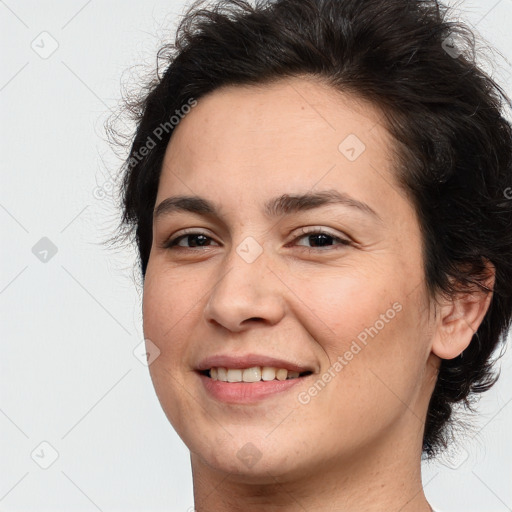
[453, 143]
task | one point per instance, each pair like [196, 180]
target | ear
[460, 316]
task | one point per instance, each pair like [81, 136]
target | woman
[320, 192]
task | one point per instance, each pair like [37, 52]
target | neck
[382, 477]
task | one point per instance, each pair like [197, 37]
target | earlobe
[460, 317]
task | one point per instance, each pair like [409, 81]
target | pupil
[324, 238]
[199, 240]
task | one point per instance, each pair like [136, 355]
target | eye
[320, 238]
[192, 239]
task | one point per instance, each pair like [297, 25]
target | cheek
[171, 299]
[342, 304]
[170, 312]
[170, 305]
[370, 330]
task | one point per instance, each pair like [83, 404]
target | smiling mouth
[253, 374]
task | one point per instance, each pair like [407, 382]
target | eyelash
[172, 242]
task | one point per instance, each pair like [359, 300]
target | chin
[251, 459]
[264, 470]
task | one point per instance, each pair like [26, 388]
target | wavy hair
[453, 143]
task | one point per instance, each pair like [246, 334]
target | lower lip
[246, 392]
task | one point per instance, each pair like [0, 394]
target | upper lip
[249, 361]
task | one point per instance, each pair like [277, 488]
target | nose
[246, 294]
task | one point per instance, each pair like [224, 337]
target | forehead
[265, 119]
[293, 135]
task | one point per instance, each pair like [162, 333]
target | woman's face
[331, 284]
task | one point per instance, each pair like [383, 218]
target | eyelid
[182, 233]
[321, 230]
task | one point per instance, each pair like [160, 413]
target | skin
[356, 445]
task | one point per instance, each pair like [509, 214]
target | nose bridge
[246, 290]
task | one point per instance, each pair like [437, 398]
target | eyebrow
[284, 204]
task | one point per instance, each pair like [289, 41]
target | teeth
[235, 375]
[253, 374]
[281, 374]
[268, 373]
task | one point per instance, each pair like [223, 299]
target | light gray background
[69, 325]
